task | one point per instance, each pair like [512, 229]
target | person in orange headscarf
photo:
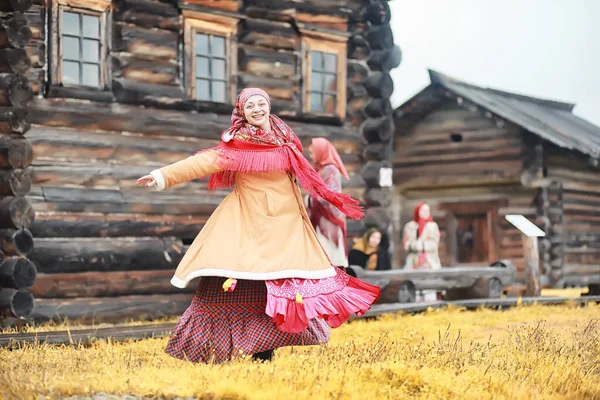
[328, 221]
[266, 280]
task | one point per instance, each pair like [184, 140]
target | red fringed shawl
[241, 156]
[246, 149]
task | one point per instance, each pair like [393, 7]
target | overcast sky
[542, 48]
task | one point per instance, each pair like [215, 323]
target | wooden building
[478, 154]
[96, 93]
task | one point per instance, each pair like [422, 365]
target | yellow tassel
[229, 285]
[299, 298]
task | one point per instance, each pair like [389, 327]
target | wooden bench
[400, 285]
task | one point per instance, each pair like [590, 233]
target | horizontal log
[111, 309]
[370, 172]
[377, 130]
[115, 201]
[16, 242]
[316, 7]
[357, 72]
[226, 5]
[148, 14]
[101, 175]
[14, 61]
[62, 225]
[378, 13]
[378, 197]
[14, 120]
[17, 303]
[36, 17]
[358, 48]
[356, 108]
[15, 182]
[380, 37]
[571, 269]
[378, 108]
[385, 60]
[499, 155]
[377, 152]
[278, 88]
[379, 85]
[82, 148]
[17, 273]
[356, 92]
[160, 72]
[81, 93]
[470, 173]
[145, 43]
[16, 212]
[131, 91]
[206, 125]
[274, 64]
[15, 152]
[446, 145]
[85, 337]
[105, 254]
[106, 284]
[14, 31]
[471, 131]
[14, 90]
[15, 5]
[270, 34]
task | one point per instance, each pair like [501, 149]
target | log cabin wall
[17, 272]
[372, 55]
[104, 118]
[574, 194]
[469, 168]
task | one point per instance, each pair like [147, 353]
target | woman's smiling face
[256, 111]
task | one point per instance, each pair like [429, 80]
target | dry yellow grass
[521, 353]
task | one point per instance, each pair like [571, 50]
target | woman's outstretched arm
[193, 167]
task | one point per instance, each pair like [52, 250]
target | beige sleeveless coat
[260, 231]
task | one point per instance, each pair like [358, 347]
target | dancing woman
[266, 280]
[328, 221]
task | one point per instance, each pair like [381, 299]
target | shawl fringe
[239, 156]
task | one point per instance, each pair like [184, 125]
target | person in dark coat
[371, 251]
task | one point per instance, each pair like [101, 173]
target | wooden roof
[551, 120]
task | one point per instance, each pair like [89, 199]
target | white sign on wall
[385, 177]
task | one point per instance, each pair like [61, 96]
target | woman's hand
[146, 180]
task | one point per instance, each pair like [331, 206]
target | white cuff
[159, 178]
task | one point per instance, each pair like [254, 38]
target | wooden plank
[111, 308]
[68, 145]
[103, 175]
[507, 153]
[69, 255]
[406, 149]
[115, 201]
[145, 43]
[64, 224]
[415, 139]
[106, 284]
[85, 337]
[205, 124]
[77, 337]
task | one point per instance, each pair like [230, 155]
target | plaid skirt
[219, 325]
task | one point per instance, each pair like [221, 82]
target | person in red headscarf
[421, 240]
[328, 221]
[266, 280]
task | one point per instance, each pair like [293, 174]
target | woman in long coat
[266, 280]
